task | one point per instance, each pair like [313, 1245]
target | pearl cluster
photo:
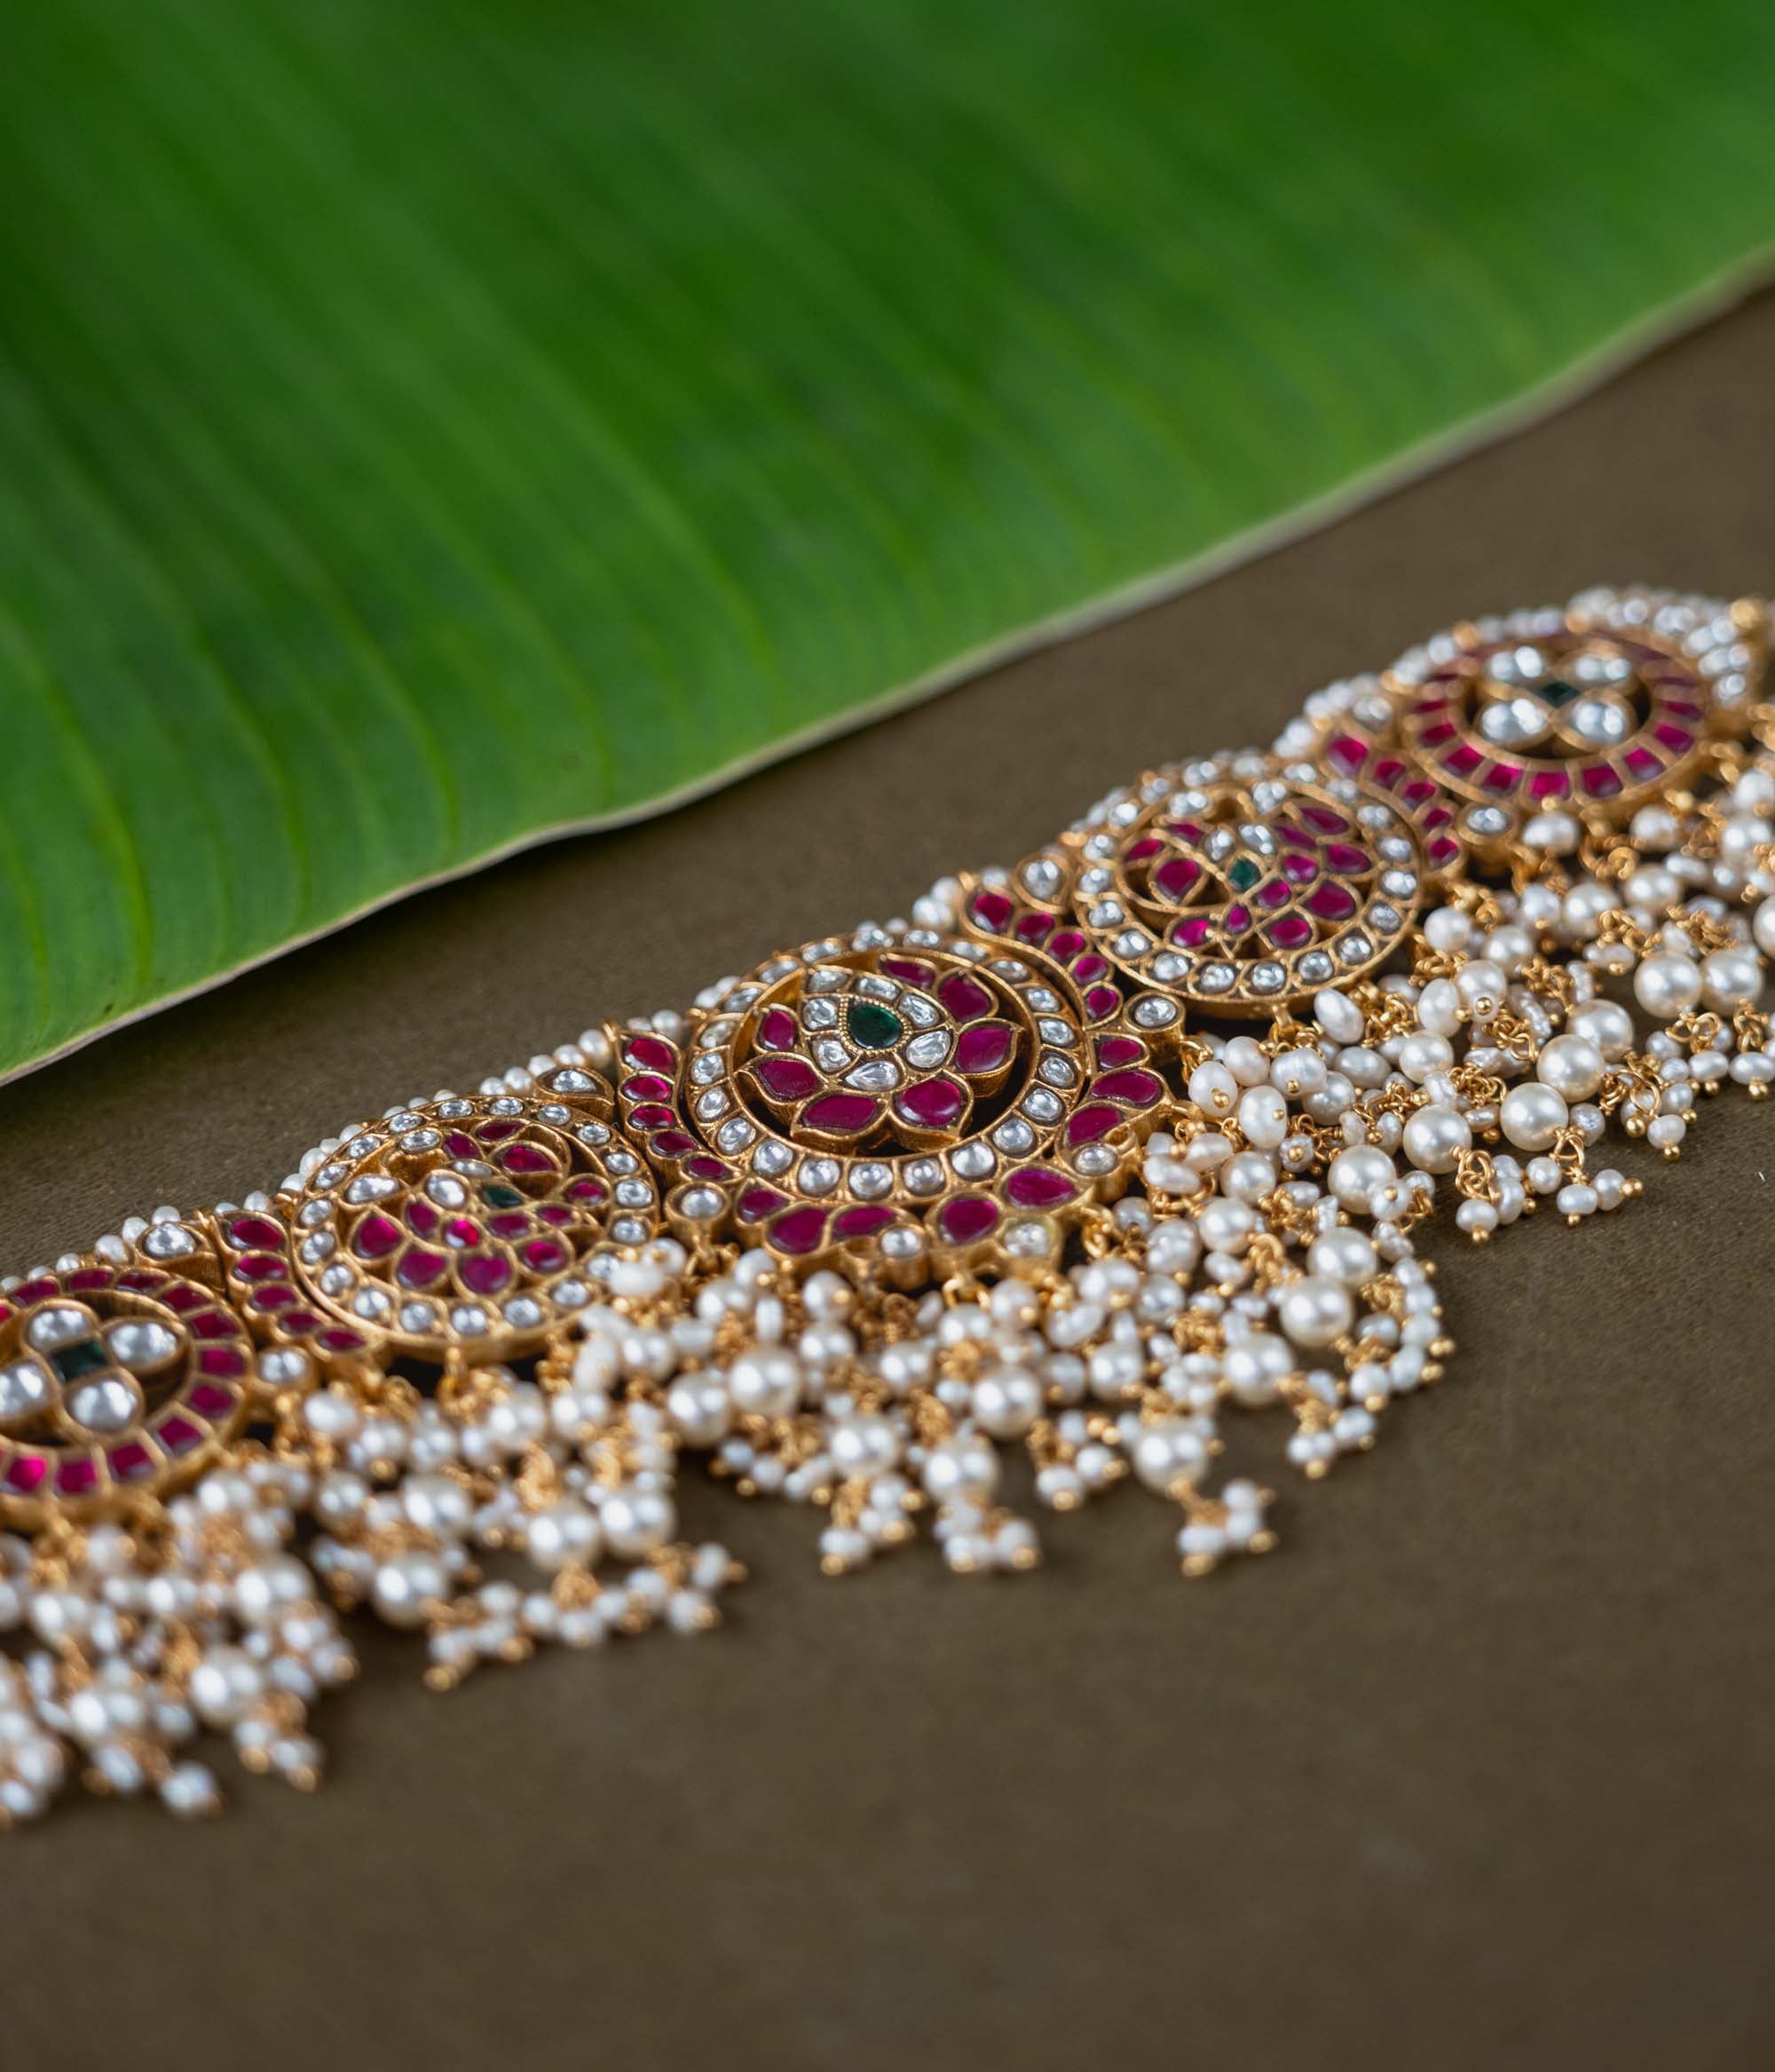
[1263, 1258]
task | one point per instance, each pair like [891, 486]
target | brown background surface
[1478, 1771]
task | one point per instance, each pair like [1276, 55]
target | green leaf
[424, 426]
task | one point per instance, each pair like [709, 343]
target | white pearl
[564, 1535]
[1435, 1137]
[1300, 1073]
[1316, 1311]
[1763, 927]
[1263, 1117]
[1652, 886]
[1336, 1013]
[1167, 1451]
[636, 1520]
[1247, 1060]
[1509, 947]
[1481, 986]
[1424, 1055]
[437, 1503]
[1607, 1024]
[1449, 930]
[1255, 1366]
[700, 1408]
[1345, 1255]
[862, 1444]
[1572, 1065]
[1225, 1224]
[1007, 1401]
[766, 1384]
[1732, 979]
[405, 1587]
[1213, 1089]
[960, 1471]
[1533, 1115]
[1247, 1176]
[1355, 1174]
[1668, 984]
[1552, 834]
[1438, 1007]
[1585, 905]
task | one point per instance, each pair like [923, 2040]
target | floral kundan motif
[911, 1095]
[115, 1383]
[1594, 710]
[1241, 886]
[470, 1228]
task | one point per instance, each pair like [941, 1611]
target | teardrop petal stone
[908, 970]
[483, 1273]
[841, 1114]
[934, 1105]
[1137, 1089]
[526, 1158]
[985, 1047]
[1331, 903]
[992, 911]
[651, 1053]
[967, 999]
[1293, 931]
[1038, 1187]
[800, 1230]
[785, 1078]
[258, 1231]
[756, 1203]
[1176, 877]
[420, 1268]
[1114, 1050]
[967, 1219]
[872, 1026]
[376, 1236]
[861, 1222]
[1086, 1125]
[776, 1030]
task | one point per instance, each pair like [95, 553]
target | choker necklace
[1080, 1159]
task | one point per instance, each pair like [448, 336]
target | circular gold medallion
[1596, 710]
[472, 1227]
[1242, 886]
[116, 1384]
[913, 1094]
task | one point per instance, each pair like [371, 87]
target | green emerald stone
[501, 1198]
[1557, 692]
[86, 1358]
[1244, 875]
[871, 1025]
